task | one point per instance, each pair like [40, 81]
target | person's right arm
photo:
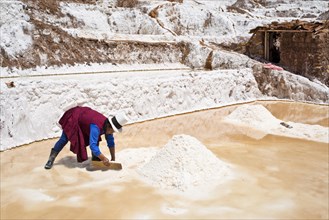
[93, 142]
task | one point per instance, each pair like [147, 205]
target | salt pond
[274, 171]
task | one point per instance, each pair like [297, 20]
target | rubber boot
[52, 156]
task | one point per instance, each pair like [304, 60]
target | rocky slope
[54, 33]
[202, 42]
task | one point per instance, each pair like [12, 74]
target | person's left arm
[111, 145]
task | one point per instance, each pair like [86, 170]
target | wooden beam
[287, 31]
[266, 45]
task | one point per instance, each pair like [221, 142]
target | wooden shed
[300, 47]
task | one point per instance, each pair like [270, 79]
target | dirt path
[277, 177]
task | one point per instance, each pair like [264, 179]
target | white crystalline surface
[184, 163]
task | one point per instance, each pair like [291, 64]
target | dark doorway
[274, 47]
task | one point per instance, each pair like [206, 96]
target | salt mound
[255, 116]
[184, 163]
[261, 122]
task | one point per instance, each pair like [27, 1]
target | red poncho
[76, 125]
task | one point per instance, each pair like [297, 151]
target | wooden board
[99, 165]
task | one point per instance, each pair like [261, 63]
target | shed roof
[294, 26]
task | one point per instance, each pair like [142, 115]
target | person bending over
[83, 126]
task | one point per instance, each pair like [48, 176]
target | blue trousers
[61, 142]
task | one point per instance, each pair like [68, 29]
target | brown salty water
[277, 177]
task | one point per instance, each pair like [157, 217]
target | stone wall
[304, 48]
[255, 46]
[305, 54]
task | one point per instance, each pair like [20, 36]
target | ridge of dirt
[52, 7]
[52, 46]
[70, 50]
